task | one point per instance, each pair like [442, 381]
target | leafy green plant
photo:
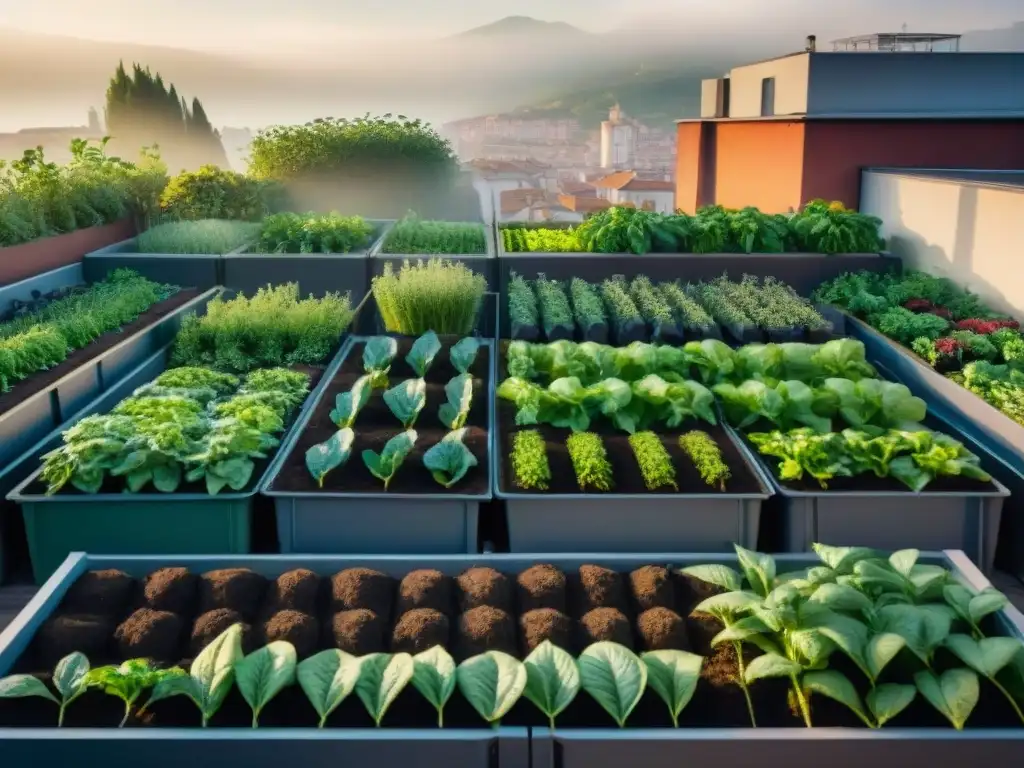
[313, 233]
[459, 392]
[449, 460]
[492, 683]
[823, 227]
[434, 676]
[523, 311]
[206, 236]
[905, 326]
[413, 235]
[623, 229]
[654, 462]
[378, 354]
[587, 306]
[530, 460]
[987, 657]
[384, 465]
[70, 679]
[463, 353]
[328, 678]
[438, 295]
[589, 461]
[382, 676]
[421, 355]
[954, 693]
[614, 676]
[129, 680]
[554, 304]
[215, 193]
[330, 454]
[706, 457]
[262, 674]
[406, 400]
[673, 675]
[520, 239]
[552, 679]
[347, 405]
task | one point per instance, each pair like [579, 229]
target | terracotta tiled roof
[648, 185]
[582, 204]
[578, 188]
[513, 200]
[615, 180]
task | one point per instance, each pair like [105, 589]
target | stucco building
[777, 133]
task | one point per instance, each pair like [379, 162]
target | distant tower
[94, 121]
[618, 140]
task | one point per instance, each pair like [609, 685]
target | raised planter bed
[189, 520]
[694, 518]
[485, 263]
[350, 512]
[36, 405]
[714, 724]
[19, 262]
[200, 270]
[316, 273]
[27, 290]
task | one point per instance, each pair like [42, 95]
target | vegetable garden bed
[659, 472]
[441, 392]
[645, 658]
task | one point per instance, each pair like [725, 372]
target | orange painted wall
[689, 164]
[837, 150]
[759, 163]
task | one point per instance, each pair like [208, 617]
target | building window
[767, 97]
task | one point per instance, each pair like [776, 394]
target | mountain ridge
[522, 25]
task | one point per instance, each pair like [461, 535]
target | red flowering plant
[985, 327]
[945, 354]
[948, 347]
[918, 305]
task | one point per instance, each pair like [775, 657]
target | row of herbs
[435, 295]
[819, 227]
[668, 309]
[413, 235]
[949, 328]
[36, 341]
[594, 471]
[450, 459]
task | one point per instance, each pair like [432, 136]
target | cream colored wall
[969, 232]
[708, 97]
[791, 83]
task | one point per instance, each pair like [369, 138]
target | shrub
[437, 295]
[413, 235]
[706, 457]
[314, 233]
[208, 236]
[213, 193]
[590, 461]
[274, 327]
[654, 462]
[522, 303]
[530, 460]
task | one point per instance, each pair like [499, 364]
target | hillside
[521, 26]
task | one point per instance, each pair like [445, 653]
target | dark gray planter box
[485, 264]
[316, 273]
[145, 523]
[33, 418]
[329, 522]
[55, 279]
[199, 270]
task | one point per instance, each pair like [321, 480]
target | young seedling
[347, 405]
[423, 352]
[382, 676]
[383, 466]
[378, 353]
[674, 676]
[459, 392]
[614, 676]
[129, 680]
[552, 679]
[492, 683]
[327, 678]
[530, 460]
[70, 678]
[262, 674]
[329, 455]
[433, 675]
[463, 354]
[406, 400]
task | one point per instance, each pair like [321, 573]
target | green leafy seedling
[492, 683]
[382, 676]
[988, 657]
[614, 676]
[463, 354]
[262, 674]
[70, 678]
[129, 680]
[954, 693]
[423, 352]
[378, 353]
[459, 392]
[406, 400]
[383, 466]
[450, 459]
[328, 678]
[673, 675]
[347, 405]
[552, 679]
[330, 454]
[433, 675]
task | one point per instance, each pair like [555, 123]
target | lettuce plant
[530, 460]
[459, 392]
[70, 679]
[347, 405]
[406, 400]
[384, 465]
[423, 352]
[450, 459]
[378, 353]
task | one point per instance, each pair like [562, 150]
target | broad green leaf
[20, 686]
[459, 392]
[674, 676]
[614, 676]
[69, 676]
[720, 575]
[492, 683]
[986, 602]
[177, 685]
[378, 353]
[740, 631]
[433, 675]
[347, 405]
[214, 669]
[262, 674]
[770, 665]
[903, 561]
[836, 686]
[849, 635]
[423, 352]
[450, 459]
[727, 604]
[958, 597]
[328, 678]
[552, 679]
[923, 627]
[331, 454]
[881, 649]
[841, 597]
[382, 676]
[927, 578]
[167, 477]
[406, 400]
[463, 354]
[888, 700]
[986, 656]
[842, 559]
[954, 693]
[813, 645]
[383, 466]
[758, 568]
[879, 575]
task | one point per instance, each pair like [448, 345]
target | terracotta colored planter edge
[20, 262]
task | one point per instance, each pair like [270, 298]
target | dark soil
[375, 425]
[542, 586]
[484, 586]
[363, 588]
[601, 605]
[37, 382]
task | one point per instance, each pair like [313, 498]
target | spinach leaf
[459, 392]
[433, 675]
[463, 354]
[450, 459]
[614, 676]
[552, 679]
[327, 678]
[406, 400]
[673, 675]
[988, 657]
[382, 676]
[837, 686]
[386, 464]
[331, 454]
[954, 693]
[21, 686]
[378, 353]
[71, 679]
[347, 405]
[423, 352]
[262, 674]
[492, 682]
[888, 700]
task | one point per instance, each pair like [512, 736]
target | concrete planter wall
[18, 262]
[198, 269]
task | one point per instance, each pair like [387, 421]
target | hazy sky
[251, 25]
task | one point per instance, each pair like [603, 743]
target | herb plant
[621, 308]
[554, 305]
[459, 392]
[413, 235]
[652, 305]
[449, 460]
[313, 233]
[523, 311]
[590, 461]
[70, 679]
[438, 295]
[530, 460]
[384, 465]
[206, 236]
[823, 227]
[706, 457]
[587, 306]
[654, 461]
[406, 400]
[689, 312]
